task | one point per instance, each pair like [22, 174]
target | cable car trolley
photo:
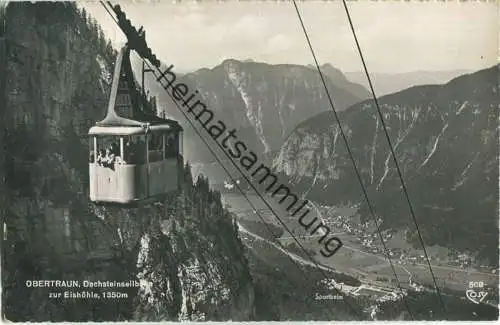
[134, 155]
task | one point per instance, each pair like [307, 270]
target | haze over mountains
[387, 83]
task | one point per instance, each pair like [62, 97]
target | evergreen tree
[109, 47]
[83, 15]
[102, 41]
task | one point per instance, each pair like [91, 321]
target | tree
[102, 40]
[83, 15]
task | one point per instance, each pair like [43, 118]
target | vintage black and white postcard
[249, 160]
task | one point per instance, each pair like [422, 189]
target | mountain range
[445, 139]
[263, 102]
[440, 162]
[188, 252]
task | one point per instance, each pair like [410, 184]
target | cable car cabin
[133, 156]
[131, 165]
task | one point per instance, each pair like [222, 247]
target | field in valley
[354, 259]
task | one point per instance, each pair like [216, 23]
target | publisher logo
[475, 293]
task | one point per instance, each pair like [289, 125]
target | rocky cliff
[445, 138]
[340, 79]
[184, 251]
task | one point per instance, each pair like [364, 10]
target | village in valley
[363, 256]
[366, 235]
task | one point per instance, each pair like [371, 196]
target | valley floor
[361, 257]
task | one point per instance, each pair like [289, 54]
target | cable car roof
[137, 120]
[128, 130]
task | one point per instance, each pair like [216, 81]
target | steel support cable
[393, 154]
[155, 69]
[255, 190]
[351, 157]
[254, 208]
[227, 172]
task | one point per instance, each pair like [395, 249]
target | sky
[395, 36]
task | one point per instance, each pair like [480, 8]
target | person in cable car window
[128, 152]
[170, 150]
[140, 151]
[115, 149]
[111, 153]
[100, 156]
[109, 159]
[131, 152]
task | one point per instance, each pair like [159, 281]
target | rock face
[184, 251]
[445, 139]
[338, 78]
[263, 102]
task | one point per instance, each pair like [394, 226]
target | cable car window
[179, 144]
[155, 147]
[171, 145]
[108, 150]
[92, 151]
[134, 149]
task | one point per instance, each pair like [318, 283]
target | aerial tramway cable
[393, 154]
[155, 70]
[260, 196]
[387, 137]
[351, 156]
